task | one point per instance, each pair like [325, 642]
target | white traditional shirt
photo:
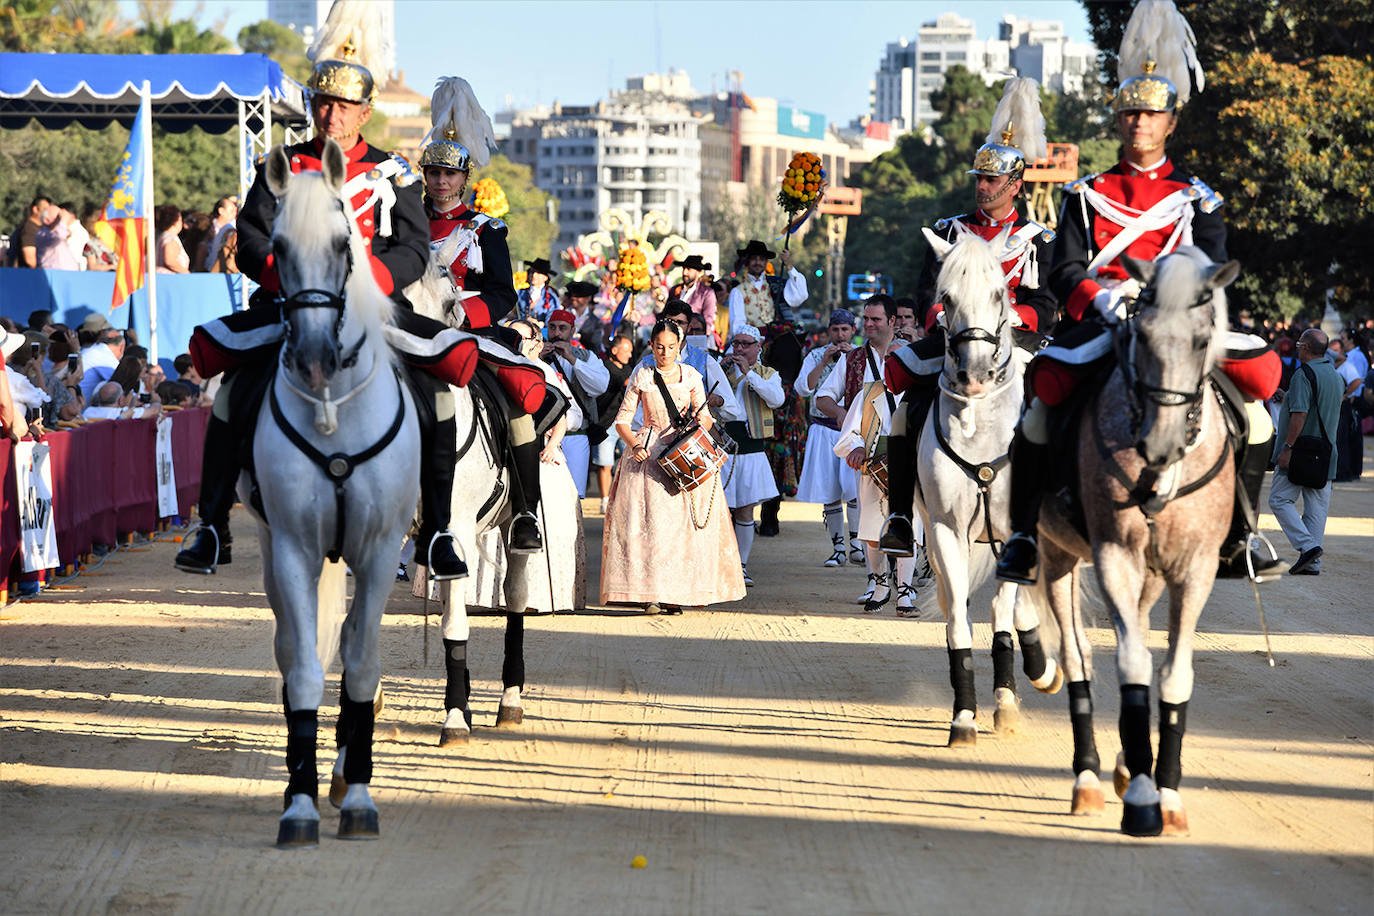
[793, 292]
[587, 373]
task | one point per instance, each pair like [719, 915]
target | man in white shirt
[825, 478]
[104, 354]
[111, 402]
[587, 378]
[748, 477]
[760, 300]
[856, 398]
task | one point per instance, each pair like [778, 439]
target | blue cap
[842, 316]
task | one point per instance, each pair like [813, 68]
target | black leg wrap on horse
[961, 679]
[1173, 719]
[360, 718]
[458, 687]
[1081, 718]
[1134, 727]
[1029, 473]
[513, 667]
[1003, 661]
[1032, 653]
[768, 517]
[302, 728]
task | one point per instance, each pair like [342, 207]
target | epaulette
[942, 224]
[406, 176]
[1046, 233]
[1078, 185]
[1207, 199]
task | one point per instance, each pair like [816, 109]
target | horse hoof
[298, 834]
[337, 790]
[447, 738]
[1121, 777]
[1141, 820]
[1175, 822]
[1087, 800]
[358, 824]
[509, 716]
[963, 735]
[1007, 716]
[1055, 684]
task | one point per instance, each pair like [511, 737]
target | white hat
[11, 343]
[747, 330]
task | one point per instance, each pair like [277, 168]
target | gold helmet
[462, 133]
[348, 50]
[1158, 59]
[1018, 132]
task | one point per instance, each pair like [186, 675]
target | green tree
[279, 43]
[1283, 130]
[531, 232]
[731, 223]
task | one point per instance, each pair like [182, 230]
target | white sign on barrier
[166, 473]
[33, 482]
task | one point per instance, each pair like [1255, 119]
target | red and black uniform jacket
[496, 289]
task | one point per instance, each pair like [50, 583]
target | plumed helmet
[1158, 59]
[1018, 132]
[461, 136]
[350, 52]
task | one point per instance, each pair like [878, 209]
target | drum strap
[668, 404]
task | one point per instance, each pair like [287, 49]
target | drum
[691, 458]
[876, 467]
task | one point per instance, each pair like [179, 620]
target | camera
[72, 360]
[35, 348]
[145, 398]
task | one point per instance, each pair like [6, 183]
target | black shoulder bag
[1310, 462]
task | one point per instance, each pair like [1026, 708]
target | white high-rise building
[911, 71]
[304, 16]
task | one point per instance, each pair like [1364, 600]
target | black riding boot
[524, 529]
[899, 536]
[438, 457]
[1029, 477]
[1252, 463]
[219, 474]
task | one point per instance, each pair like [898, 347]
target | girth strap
[338, 467]
[981, 474]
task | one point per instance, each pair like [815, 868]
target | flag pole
[149, 219]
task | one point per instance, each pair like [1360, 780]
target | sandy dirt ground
[782, 755]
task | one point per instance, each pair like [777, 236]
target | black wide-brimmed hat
[578, 289]
[755, 247]
[540, 266]
[694, 262]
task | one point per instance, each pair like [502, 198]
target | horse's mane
[298, 218]
[970, 271]
[1177, 280]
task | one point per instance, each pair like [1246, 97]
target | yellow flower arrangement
[488, 198]
[803, 181]
[521, 279]
[632, 269]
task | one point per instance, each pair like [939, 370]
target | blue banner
[793, 122]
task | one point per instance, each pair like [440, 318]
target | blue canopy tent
[219, 93]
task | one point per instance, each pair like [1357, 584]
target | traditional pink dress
[660, 544]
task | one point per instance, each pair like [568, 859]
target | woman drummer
[654, 531]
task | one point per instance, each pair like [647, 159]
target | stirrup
[215, 563]
[1252, 541]
[526, 551]
[1006, 573]
[429, 557]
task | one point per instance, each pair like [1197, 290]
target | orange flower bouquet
[488, 198]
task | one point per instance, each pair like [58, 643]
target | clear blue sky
[539, 51]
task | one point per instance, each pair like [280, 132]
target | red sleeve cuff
[1081, 298]
[381, 275]
[269, 279]
[476, 312]
[1029, 320]
[896, 376]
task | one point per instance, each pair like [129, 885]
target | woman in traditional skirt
[748, 477]
[664, 548]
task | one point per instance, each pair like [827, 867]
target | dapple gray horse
[337, 458]
[1155, 480]
[964, 483]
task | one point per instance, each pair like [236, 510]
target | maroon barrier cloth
[104, 482]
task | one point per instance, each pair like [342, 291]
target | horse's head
[1171, 344]
[977, 316]
[315, 246]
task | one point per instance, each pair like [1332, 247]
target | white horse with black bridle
[338, 467]
[964, 484]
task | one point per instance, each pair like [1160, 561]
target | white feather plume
[361, 23]
[1020, 107]
[454, 105]
[1157, 31]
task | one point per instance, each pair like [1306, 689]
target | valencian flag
[129, 211]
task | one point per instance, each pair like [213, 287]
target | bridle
[320, 298]
[1126, 342]
[1002, 351]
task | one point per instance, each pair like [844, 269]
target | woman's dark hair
[58, 348]
[671, 327]
[675, 307]
[165, 217]
[127, 373]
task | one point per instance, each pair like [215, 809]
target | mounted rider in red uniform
[1144, 207]
[478, 262]
[385, 198]
[1018, 134]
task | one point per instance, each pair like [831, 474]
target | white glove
[1110, 305]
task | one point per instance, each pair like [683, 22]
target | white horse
[337, 458]
[481, 503]
[964, 487]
